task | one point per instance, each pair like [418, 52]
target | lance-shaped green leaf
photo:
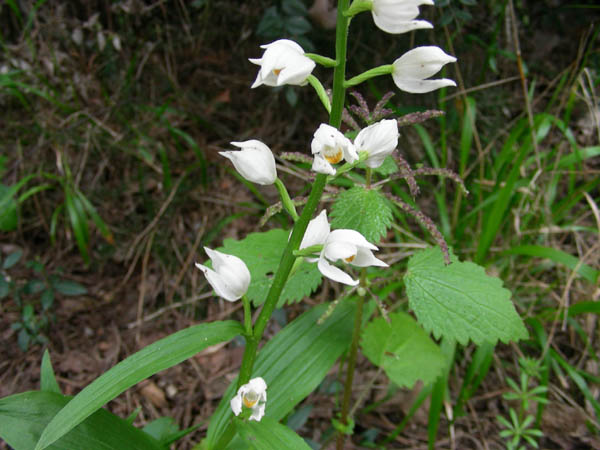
[402, 349]
[268, 434]
[293, 363]
[460, 301]
[152, 359]
[262, 254]
[24, 416]
[363, 210]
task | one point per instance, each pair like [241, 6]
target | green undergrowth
[110, 131]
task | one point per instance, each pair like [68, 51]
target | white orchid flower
[255, 161]
[283, 62]
[351, 247]
[252, 395]
[378, 140]
[330, 146]
[398, 16]
[411, 69]
[230, 278]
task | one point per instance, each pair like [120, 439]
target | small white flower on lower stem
[351, 247]
[252, 395]
[283, 62]
[398, 16]
[255, 161]
[378, 140]
[330, 146]
[411, 70]
[230, 278]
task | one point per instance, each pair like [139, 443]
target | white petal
[221, 287]
[350, 153]
[317, 231]
[351, 236]
[339, 250]
[257, 385]
[421, 62]
[257, 412]
[397, 16]
[335, 274]
[255, 162]
[323, 137]
[236, 404]
[321, 166]
[379, 140]
[421, 86]
[222, 262]
[365, 258]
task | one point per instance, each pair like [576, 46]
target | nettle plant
[452, 300]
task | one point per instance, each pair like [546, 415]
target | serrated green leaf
[262, 254]
[403, 350]
[24, 416]
[364, 210]
[157, 356]
[268, 434]
[460, 301]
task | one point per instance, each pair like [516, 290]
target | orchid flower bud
[252, 395]
[255, 162]
[230, 278]
[330, 146]
[351, 247]
[398, 16]
[411, 70]
[283, 62]
[378, 140]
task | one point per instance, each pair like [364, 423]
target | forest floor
[129, 102]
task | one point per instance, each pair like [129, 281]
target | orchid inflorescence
[284, 62]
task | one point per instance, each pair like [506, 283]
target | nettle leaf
[364, 210]
[402, 349]
[460, 301]
[262, 253]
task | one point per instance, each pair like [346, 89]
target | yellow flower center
[250, 399]
[277, 72]
[349, 259]
[333, 154]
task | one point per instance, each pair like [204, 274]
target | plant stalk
[352, 361]
[288, 258]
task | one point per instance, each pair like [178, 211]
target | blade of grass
[558, 256]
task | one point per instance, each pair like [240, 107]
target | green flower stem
[323, 60]
[359, 6]
[371, 73]
[362, 290]
[247, 315]
[344, 419]
[320, 90]
[288, 260]
[286, 201]
[308, 251]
